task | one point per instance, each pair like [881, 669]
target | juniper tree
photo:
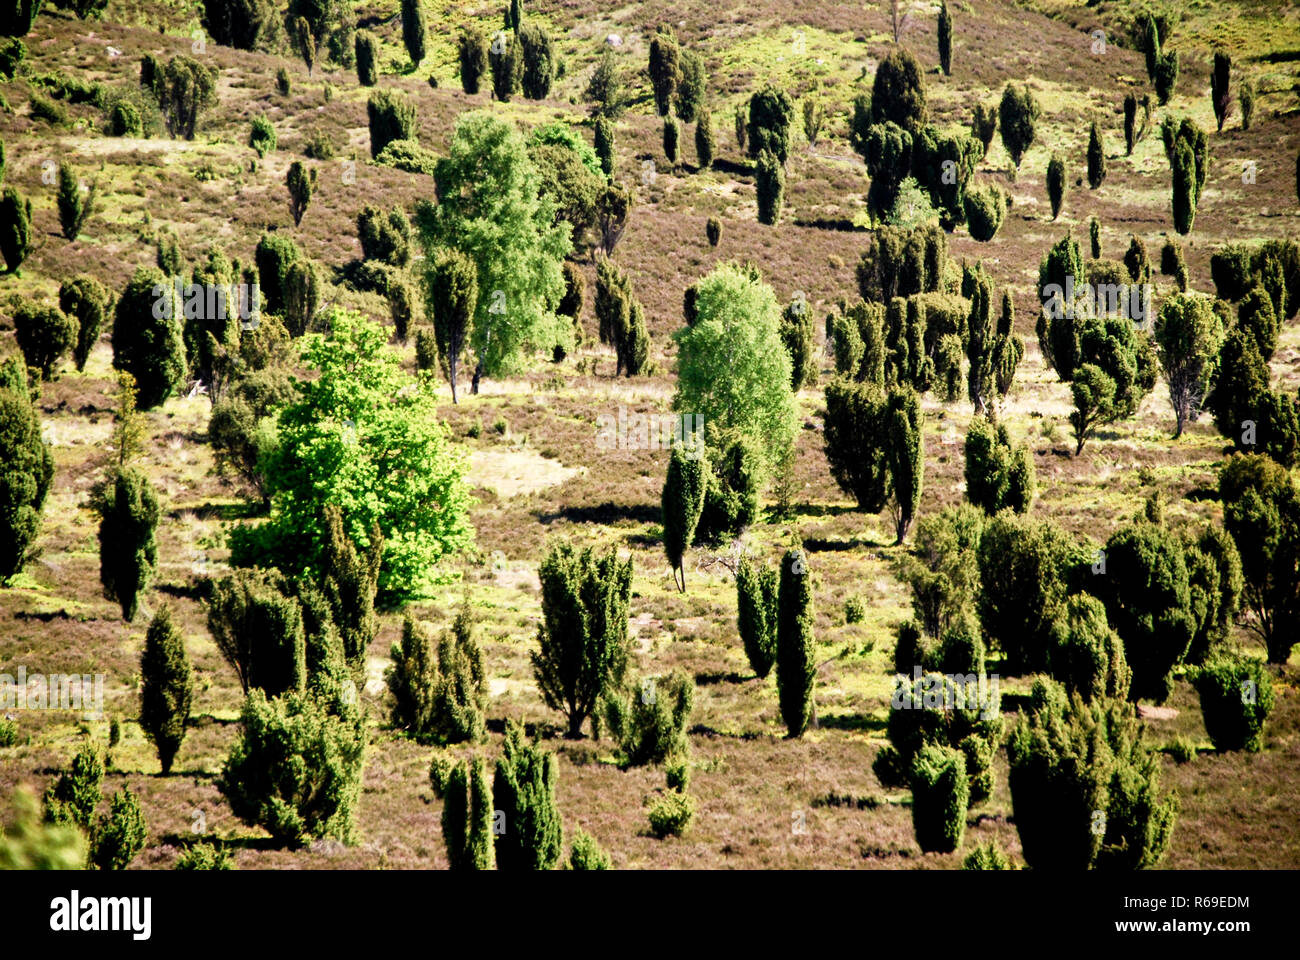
[258, 628]
[414, 30]
[128, 552]
[472, 52]
[1093, 393]
[683, 500]
[1084, 786]
[1166, 76]
[1261, 511]
[664, 68]
[349, 578]
[983, 125]
[672, 138]
[301, 182]
[1094, 237]
[467, 817]
[74, 796]
[691, 83]
[118, 835]
[166, 687]
[1017, 114]
[999, 475]
[392, 117]
[305, 42]
[1173, 265]
[605, 88]
[506, 65]
[704, 138]
[147, 341]
[1008, 348]
[771, 114]
[74, 209]
[295, 768]
[26, 468]
[301, 292]
[945, 39]
[604, 143]
[1189, 334]
[905, 456]
[797, 336]
[1130, 123]
[1236, 697]
[400, 308]
[451, 291]
[367, 55]
[537, 51]
[15, 228]
[1246, 100]
[1056, 183]
[795, 666]
[770, 186]
[982, 339]
[713, 231]
[185, 89]
[582, 639]
[44, 334]
[940, 796]
[1220, 95]
[985, 209]
[1085, 654]
[648, 720]
[437, 688]
[1096, 158]
[1183, 169]
[383, 236]
[523, 793]
[1256, 315]
[756, 614]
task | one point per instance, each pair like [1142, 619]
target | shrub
[301, 292]
[120, 834]
[295, 768]
[472, 52]
[467, 817]
[426, 350]
[604, 144]
[438, 701]
[855, 610]
[1084, 788]
[15, 228]
[1018, 113]
[664, 68]
[756, 606]
[523, 789]
[795, 666]
[275, 254]
[1145, 589]
[538, 53]
[414, 30]
[282, 83]
[259, 630]
[147, 340]
[124, 120]
[606, 89]
[1236, 698]
[672, 137]
[998, 474]
[1096, 157]
[26, 468]
[1246, 99]
[583, 635]
[367, 54]
[1173, 265]
[771, 113]
[300, 182]
[8, 733]
[72, 798]
[1086, 655]
[166, 687]
[940, 795]
[1181, 749]
[713, 230]
[74, 209]
[945, 39]
[184, 89]
[985, 208]
[1166, 76]
[29, 844]
[649, 720]
[384, 236]
[205, 856]
[392, 117]
[85, 300]
[691, 84]
[506, 65]
[672, 814]
[44, 334]
[770, 186]
[682, 502]
[262, 137]
[12, 53]
[983, 125]
[586, 854]
[1261, 512]
[128, 552]
[987, 856]
[1056, 183]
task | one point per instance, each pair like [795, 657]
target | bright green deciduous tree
[363, 437]
[490, 210]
